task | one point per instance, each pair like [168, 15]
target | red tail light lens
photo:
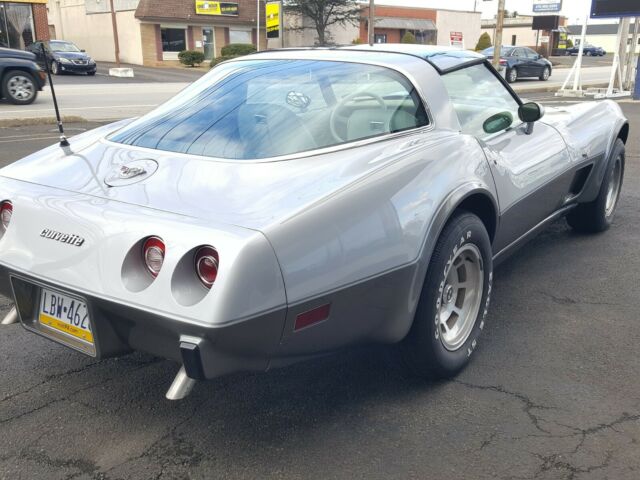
[206, 264]
[503, 61]
[6, 210]
[153, 253]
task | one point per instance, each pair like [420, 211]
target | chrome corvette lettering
[62, 237]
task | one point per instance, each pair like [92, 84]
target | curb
[28, 122]
[556, 88]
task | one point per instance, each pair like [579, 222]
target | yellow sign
[204, 7]
[66, 328]
[273, 19]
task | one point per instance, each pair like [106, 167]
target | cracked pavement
[552, 392]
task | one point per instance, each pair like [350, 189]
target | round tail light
[153, 252]
[6, 210]
[206, 264]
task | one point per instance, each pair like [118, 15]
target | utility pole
[497, 41]
[114, 22]
[258, 26]
[631, 59]
[372, 21]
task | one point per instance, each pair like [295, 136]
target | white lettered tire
[454, 302]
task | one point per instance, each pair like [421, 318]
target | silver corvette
[295, 202]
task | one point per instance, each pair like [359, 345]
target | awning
[405, 23]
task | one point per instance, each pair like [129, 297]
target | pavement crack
[528, 404]
[572, 301]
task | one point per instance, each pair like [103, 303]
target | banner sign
[204, 7]
[540, 6]
[615, 8]
[273, 19]
[456, 39]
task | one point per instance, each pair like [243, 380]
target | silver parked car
[295, 202]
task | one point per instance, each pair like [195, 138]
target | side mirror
[83, 50]
[498, 122]
[530, 113]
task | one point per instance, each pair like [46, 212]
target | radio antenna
[63, 139]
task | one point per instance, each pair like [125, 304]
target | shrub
[191, 57]
[357, 41]
[408, 37]
[483, 42]
[237, 49]
[222, 58]
[569, 43]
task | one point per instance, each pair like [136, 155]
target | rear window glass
[256, 109]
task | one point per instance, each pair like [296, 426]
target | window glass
[173, 39]
[240, 36]
[269, 108]
[16, 25]
[530, 53]
[63, 47]
[476, 95]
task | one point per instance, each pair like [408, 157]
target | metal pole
[372, 21]
[577, 84]
[258, 26]
[628, 77]
[497, 44]
[114, 23]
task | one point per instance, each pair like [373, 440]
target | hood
[13, 53]
[250, 194]
[71, 55]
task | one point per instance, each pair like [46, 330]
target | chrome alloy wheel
[613, 189]
[513, 75]
[21, 88]
[545, 73]
[459, 301]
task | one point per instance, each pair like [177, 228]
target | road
[102, 98]
[552, 392]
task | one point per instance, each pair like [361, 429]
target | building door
[208, 43]
[380, 38]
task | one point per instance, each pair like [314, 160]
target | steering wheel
[340, 116]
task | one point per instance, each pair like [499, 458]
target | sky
[575, 10]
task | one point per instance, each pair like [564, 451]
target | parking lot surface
[552, 392]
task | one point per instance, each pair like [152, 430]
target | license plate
[65, 314]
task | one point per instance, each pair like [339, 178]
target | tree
[483, 42]
[324, 13]
[408, 37]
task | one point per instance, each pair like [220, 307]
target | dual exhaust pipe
[182, 384]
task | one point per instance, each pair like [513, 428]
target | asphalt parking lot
[552, 393]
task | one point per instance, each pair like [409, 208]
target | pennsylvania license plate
[65, 314]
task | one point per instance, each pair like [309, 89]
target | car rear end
[105, 277]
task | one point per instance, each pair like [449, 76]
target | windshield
[255, 109]
[63, 47]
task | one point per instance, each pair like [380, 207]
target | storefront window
[173, 39]
[240, 36]
[16, 25]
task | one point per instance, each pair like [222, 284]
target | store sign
[541, 6]
[456, 39]
[216, 8]
[273, 19]
[544, 39]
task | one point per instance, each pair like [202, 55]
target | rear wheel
[454, 300]
[19, 87]
[512, 75]
[597, 216]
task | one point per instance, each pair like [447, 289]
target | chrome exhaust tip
[11, 317]
[181, 387]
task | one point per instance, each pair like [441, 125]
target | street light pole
[497, 41]
[372, 21]
[114, 23]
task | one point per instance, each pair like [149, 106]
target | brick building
[22, 22]
[153, 32]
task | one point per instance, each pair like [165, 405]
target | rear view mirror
[498, 122]
[530, 113]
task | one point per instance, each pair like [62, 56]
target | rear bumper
[119, 329]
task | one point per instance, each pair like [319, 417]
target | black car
[588, 50]
[63, 57]
[20, 76]
[520, 62]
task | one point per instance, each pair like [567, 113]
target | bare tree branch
[323, 14]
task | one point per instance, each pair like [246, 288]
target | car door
[523, 68]
[536, 62]
[36, 49]
[532, 172]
